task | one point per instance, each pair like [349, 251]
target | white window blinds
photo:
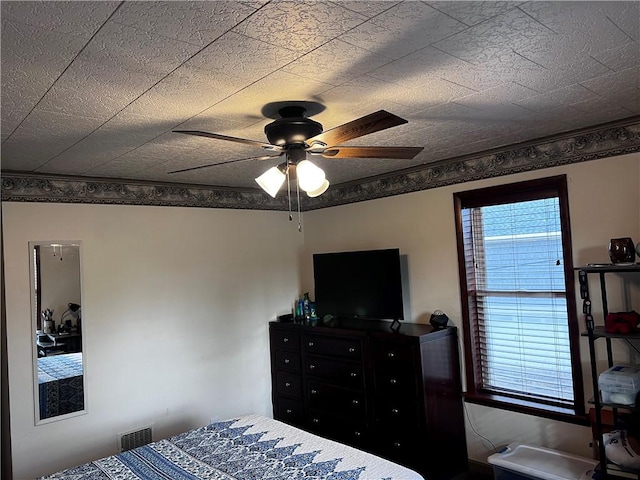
[516, 291]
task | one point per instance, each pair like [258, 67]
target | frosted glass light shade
[319, 191]
[271, 181]
[310, 177]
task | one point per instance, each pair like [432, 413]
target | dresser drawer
[392, 355]
[392, 410]
[394, 383]
[288, 360]
[289, 411]
[285, 339]
[351, 431]
[403, 447]
[289, 384]
[339, 401]
[339, 372]
[327, 345]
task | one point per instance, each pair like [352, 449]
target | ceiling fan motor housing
[293, 128]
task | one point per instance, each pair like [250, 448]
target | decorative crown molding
[30, 187]
[617, 138]
[610, 140]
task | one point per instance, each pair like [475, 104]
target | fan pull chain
[299, 214]
[289, 193]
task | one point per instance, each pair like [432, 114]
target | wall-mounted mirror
[58, 353]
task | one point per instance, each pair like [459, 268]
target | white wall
[176, 303]
[604, 201]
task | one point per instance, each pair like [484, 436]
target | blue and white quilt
[250, 447]
[60, 385]
[58, 367]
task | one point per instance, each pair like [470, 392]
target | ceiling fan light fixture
[271, 180]
[319, 191]
[310, 176]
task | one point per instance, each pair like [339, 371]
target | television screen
[362, 284]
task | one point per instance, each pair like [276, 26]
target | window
[518, 300]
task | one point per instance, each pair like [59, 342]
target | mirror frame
[34, 349]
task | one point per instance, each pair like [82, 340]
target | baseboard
[481, 468]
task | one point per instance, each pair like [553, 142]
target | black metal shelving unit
[607, 469]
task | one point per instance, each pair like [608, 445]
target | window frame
[548, 187]
[38, 287]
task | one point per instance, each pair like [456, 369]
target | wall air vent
[134, 438]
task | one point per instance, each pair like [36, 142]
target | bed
[248, 447]
[60, 385]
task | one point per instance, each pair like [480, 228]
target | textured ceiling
[94, 89]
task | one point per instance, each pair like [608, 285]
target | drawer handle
[354, 374]
[395, 411]
[351, 349]
[315, 420]
[312, 366]
[391, 354]
[355, 401]
[314, 391]
[310, 344]
[286, 360]
[357, 433]
[287, 384]
[289, 411]
[285, 339]
[397, 444]
[393, 381]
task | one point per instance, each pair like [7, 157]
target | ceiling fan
[292, 134]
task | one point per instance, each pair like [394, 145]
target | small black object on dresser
[397, 393]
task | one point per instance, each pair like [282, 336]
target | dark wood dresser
[393, 393]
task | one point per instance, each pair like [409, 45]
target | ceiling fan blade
[372, 152]
[217, 136]
[374, 122]
[266, 157]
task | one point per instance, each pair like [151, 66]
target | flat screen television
[361, 284]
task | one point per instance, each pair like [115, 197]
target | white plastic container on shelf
[620, 384]
[528, 462]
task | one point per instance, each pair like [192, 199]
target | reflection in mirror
[57, 330]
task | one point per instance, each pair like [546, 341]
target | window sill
[529, 408]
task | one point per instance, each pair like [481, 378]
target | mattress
[248, 447]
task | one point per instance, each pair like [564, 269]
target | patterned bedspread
[60, 385]
[250, 447]
[58, 367]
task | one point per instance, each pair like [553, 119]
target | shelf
[608, 267]
[621, 406]
[616, 471]
[605, 415]
[600, 332]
